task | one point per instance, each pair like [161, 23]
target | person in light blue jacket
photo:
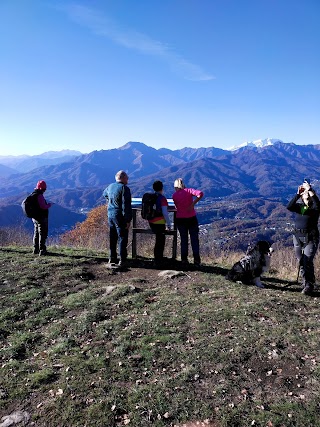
[118, 197]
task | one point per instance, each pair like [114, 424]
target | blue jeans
[118, 233]
[189, 226]
[305, 253]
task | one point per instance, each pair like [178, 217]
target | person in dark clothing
[159, 223]
[118, 197]
[40, 222]
[306, 206]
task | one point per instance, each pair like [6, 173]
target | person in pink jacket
[40, 220]
[186, 219]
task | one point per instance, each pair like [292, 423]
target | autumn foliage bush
[92, 233]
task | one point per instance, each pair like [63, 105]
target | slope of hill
[61, 219]
[82, 344]
[6, 171]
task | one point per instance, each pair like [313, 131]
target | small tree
[92, 233]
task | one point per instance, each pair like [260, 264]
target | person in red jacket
[40, 222]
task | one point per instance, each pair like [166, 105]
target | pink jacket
[42, 202]
[183, 200]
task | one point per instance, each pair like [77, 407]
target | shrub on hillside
[14, 236]
[91, 233]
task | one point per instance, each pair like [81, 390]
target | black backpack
[30, 205]
[149, 206]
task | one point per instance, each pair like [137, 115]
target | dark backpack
[30, 205]
[149, 206]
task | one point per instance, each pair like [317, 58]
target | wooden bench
[136, 207]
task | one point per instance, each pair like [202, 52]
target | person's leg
[297, 246]
[43, 234]
[35, 239]
[113, 235]
[183, 231]
[123, 235]
[158, 230]
[308, 256]
[119, 234]
[194, 238]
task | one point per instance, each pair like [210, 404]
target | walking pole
[298, 271]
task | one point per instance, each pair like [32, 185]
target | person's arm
[315, 200]
[166, 216]
[126, 205]
[291, 206]
[42, 202]
[197, 198]
[105, 193]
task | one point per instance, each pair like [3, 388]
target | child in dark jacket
[159, 223]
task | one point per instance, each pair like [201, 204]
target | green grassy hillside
[85, 345]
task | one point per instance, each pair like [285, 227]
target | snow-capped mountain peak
[259, 143]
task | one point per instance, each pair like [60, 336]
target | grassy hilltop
[83, 345]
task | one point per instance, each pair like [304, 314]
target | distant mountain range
[25, 163]
[273, 170]
[259, 143]
[264, 169]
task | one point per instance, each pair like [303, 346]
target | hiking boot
[257, 282]
[35, 252]
[307, 290]
[43, 252]
[259, 285]
[123, 263]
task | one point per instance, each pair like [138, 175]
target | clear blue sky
[95, 74]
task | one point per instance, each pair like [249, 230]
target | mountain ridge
[280, 166]
[238, 186]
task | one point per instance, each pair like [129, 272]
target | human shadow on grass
[286, 286]
[88, 257]
[54, 254]
[172, 264]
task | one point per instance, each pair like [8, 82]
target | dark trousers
[118, 233]
[305, 253]
[40, 234]
[189, 227]
[158, 230]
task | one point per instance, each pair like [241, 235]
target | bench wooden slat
[149, 231]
